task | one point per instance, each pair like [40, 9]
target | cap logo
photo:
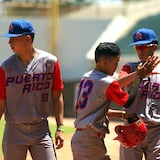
[138, 36]
[11, 27]
[139, 123]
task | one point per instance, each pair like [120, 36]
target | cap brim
[15, 35]
[11, 35]
[140, 42]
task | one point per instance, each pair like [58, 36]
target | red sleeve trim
[57, 78]
[116, 94]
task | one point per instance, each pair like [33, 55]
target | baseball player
[2, 92]
[147, 102]
[33, 87]
[96, 90]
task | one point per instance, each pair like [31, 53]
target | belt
[99, 134]
[34, 122]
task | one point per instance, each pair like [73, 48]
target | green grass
[67, 129]
[2, 123]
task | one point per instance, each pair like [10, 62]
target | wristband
[60, 128]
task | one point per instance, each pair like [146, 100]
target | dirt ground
[66, 154]
[112, 146]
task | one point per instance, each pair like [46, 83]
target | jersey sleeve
[57, 78]
[126, 69]
[116, 94]
[2, 84]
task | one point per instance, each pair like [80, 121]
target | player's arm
[58, 105]
[115, 93]
[122, 98]
[2, 107]
[127, 79]
[143, 70]
[58, 113]
[116, 114]
[57, 96]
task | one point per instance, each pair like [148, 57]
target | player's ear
[105, 60]
[155, 46]
[28, 37]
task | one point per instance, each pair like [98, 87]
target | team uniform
[147, 106]
[28, 104]
[3, 85]
[95, 92]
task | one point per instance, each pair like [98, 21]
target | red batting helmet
[132, 134]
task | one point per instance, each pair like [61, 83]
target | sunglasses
[143, 47]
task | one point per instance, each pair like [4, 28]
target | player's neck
[100, 68]
[25, 58]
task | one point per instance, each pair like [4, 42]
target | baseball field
[65, 153]
[112, 145]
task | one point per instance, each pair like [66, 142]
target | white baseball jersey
[28, 90]
[147, 101]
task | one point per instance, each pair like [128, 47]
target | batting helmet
[131, 135]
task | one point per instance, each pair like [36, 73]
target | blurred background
[71, 30]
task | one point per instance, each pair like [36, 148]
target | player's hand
[147, 67]
[59, 139]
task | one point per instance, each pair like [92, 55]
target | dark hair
[107, 49]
